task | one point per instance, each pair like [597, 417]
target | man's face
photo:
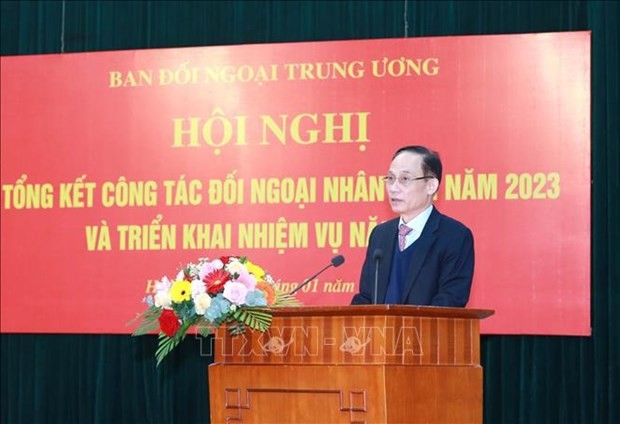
[409, 198]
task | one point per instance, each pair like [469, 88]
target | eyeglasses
[404, 180]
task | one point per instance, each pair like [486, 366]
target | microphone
[335, 262]
[376, 256]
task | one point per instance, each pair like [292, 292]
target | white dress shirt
[417, 225]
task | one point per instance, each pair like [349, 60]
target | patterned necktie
[403, 230]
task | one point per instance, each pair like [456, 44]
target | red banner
[119, 167]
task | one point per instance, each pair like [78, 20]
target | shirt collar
[417, 224]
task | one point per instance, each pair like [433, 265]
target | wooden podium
[351, 364]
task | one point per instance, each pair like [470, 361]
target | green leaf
[286, 300]
[149, 321]
[165, 346]
[237, 328]
[204, 327]
[146, 327]
[204, 330]
[256, 319]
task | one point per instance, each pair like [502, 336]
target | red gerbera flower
[216, 280]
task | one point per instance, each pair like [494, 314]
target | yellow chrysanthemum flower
[255, 270]
[181, 291]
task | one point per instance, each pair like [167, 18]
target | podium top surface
[383, 310]
[359, 334]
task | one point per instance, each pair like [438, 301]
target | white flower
[202, 303]
[163, 285]
[162, 299]
[235, 267]
[247, 279]
[235, 292]
[198, 287]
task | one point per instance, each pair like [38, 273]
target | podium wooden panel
[351, 364]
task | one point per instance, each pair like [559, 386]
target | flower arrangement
[207, 294]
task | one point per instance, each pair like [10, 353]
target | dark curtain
[528, 379]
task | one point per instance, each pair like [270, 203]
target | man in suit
[425, 257]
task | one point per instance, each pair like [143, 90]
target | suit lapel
[387, 246]
[420, 251]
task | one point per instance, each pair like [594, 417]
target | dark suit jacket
[441, 269]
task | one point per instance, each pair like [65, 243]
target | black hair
[431, 163]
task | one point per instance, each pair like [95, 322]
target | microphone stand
[302, 285]
[377, 255]
[376, 280]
